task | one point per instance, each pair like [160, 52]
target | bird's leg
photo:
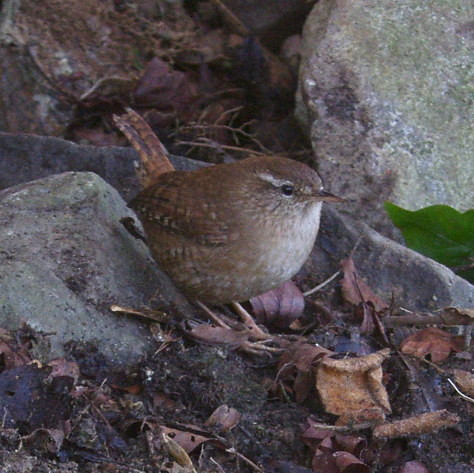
[249, 322]
[257, 347]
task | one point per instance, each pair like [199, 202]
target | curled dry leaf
[334, 452]
[355, 290]
[338, 462]
[432, 341]
[302, 356]
[418, 425]
[213, 335]
[11, 357]
[465, 314]
[369, 305]
[188, 441]
[49, 439]
[296, 365]
[348, 463]
[465, 382]
[177, 452]
[279, 307]
[224, 417]
[353, 384]
[317, 439]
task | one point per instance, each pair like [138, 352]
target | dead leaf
[302, 355]
[186, 440]
[357, 291]
[333, 451]
[279, 307]
[348, 463]
[295, 366]
[213, 335]
[465, 382]
[432, 341]
[178, 452]
[49, 439]
[465, 313]
[224, 417]
[353, 384]
[13, 356]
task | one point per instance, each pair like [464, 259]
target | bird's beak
[328, 197]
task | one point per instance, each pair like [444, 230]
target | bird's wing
[171, 205]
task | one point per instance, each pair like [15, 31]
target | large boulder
[386, 92]
[65, 259]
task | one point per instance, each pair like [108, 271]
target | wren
[232, 231]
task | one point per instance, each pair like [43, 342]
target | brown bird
[232, 231]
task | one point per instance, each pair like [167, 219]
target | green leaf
[439, 232]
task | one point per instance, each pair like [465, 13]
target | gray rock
[25, 157]
[391, 270]
[65, 258]
[386, 92]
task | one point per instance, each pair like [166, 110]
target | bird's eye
[287, 189]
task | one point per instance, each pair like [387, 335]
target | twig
[470, 399]
[249, 462]
[233, 130]
[48, 79]
[320, 286]
[217, 146]
[426, 318]
[155, 315]
[344, 428]
[418, 425]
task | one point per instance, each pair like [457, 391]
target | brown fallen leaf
[296, 367]
[353, 384]
[465, 381]
[432, 341]
[48, 439]
[13, 356]
[213, 335]
[224, 417]
[334, 452]
[179, 454]
[355, 290]
[188, 441]
[369, 306]
[279, 307]
[348, 463]
[466, 314]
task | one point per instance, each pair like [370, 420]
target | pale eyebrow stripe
[273, 180]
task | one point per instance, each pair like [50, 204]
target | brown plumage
[232, 231]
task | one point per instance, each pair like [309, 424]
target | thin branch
[217, 146]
